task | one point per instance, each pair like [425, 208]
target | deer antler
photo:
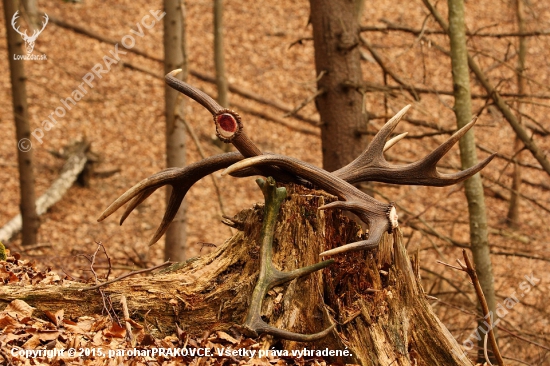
[181, 179]
[369, 166]
[228, 123]
[372, 166]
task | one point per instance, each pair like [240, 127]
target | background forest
[269, 53]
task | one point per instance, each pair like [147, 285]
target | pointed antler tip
[175, 72]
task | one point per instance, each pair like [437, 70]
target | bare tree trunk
[473, 186]
[175, 58]
[221, 80]
[513, 209]
[375, 297]
[336, 41]
[22, 129]
[31, 11]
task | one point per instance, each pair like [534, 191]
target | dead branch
[469, 269]
[305, 102]
[387, 70]
[125, 276]
[399, 28]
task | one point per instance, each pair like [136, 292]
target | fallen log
[374, 298]
[74, 165]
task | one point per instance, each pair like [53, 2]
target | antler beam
[379, 216]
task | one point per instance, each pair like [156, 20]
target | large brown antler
[372, 166]
[369, 166]
[228, 123]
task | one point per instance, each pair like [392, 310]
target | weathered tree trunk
[336, 41]
[175, 58]
[468, 156]
[375, 297]
[22, 128]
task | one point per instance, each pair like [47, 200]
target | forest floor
[122, 116]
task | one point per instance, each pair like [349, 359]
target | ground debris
[48, 338]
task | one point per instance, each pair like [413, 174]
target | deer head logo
[29, 41]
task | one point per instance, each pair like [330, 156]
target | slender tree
[31, 11]
[221, 80]
[473, 186]
[22, 129]
[175, 58]
[513, 209]
[337, 57]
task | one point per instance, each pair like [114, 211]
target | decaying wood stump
[374, 297]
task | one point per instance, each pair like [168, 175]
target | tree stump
[374, 297]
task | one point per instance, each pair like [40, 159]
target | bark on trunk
[513, 210]
[175, 58]
[31, 10]
[336, 41]
[468, 156]
[221, 80]
[22, 129]
[375, 297]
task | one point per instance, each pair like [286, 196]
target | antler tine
[379, 216]
[174, 203]
[373, 152]
[153, 182]
[394, 140]
[135, 202]
[197, 95]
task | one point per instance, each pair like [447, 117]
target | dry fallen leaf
[115, 331]
[20, 308]
[226, 337]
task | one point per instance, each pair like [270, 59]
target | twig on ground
[126, 313]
